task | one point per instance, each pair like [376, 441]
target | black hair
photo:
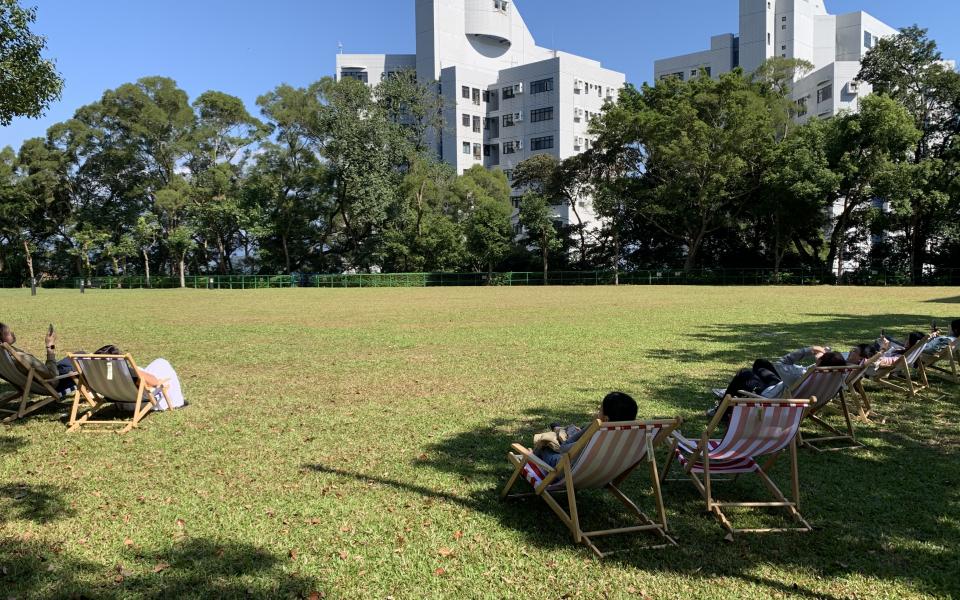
[913, 338]
[109, 349]
[618, 406]
[867, 351]
[832, 359]
[955, 326]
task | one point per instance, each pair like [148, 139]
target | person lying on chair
[159, 373]
[48, 369]
[550, 447]
[942, 340]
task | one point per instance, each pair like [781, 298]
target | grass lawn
[352, 442]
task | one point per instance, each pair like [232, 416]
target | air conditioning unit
[610, 92]
[577, 85]
[518, 88]
[518, 145]
[578, 142]
[853, 87]
[518, 117]
[578, 113]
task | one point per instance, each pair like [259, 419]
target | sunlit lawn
[351, 443]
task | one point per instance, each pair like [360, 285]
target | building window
[476, 125]
[466, 147]
[516, 201]
[824, 94]
[541, 114]
[508, 92]
[708, 71]
[465, 120]
[509, 147]
[501, 5]
[768, 38]
[541, 143]
[465, 92]
[486, 149]
[354, 74]
[508, 173]
[869, 41]
[802, 107]
[541, 86]
[508, 120]
[486, 95]
[784, 19]
[477, 152]
[476, 96]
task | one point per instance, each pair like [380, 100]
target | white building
[505, 98]
[802, 29]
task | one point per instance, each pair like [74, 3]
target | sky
[248, 47]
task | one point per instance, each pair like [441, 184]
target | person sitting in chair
[160, 374]
[49, 369]
[616, 407]
[940, 340]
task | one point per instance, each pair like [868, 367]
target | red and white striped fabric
[822, 384]
[756, 429]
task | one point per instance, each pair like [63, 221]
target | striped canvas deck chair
[855, 383]
[31, 392]
[908, 374]
[758, 428]
[602, 458]
[827, 385]
[944, 364]
[107, 380]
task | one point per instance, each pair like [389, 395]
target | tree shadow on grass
[191, 568]
[953, 300]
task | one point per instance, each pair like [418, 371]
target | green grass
[352, 443]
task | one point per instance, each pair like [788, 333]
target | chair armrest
[746, 394]
[70, 375]
[529, 456]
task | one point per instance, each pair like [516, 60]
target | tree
[694, 152]
[909, 69]
[489, 232]
[413, 106]
[866, 151]
[181, 242]
[144, 239]
[28, 82]
[537, 219]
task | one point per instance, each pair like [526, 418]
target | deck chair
[908, 374]
[944, 364]
[31, 392]
[604, 456]
[758, 428]
[105, 380]
[827, 384]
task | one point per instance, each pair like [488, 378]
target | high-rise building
[505, 98]
[802, 29]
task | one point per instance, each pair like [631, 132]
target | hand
[818, 351]
[51, 339]
[885, 345]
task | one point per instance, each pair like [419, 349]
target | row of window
[479, 150]
[511, 91]
[508, 120]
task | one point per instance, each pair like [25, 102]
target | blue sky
[247, 47]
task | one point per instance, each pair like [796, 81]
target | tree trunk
[693, 247]
[33, 279]
[489, 272]
[146, 266]
[583, 235]
[546, 253]
[116, 270]
[286, 253]
[183, 279]
[917, 247]
[221, 256]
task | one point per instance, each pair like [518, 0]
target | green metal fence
[723, 277]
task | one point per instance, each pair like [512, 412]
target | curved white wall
[485, 20]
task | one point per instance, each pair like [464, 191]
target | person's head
[617, 407]
[862, 352]
[955, 327]
[914, 337]
[109, 349]
[6, 334]
[832, 359]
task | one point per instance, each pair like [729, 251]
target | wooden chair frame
[705, 486]
[564, 473]
[145, 403]
[949, 356]
[912, 385]
[853, 381]
[18, 404]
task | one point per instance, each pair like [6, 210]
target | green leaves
[28, 81]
